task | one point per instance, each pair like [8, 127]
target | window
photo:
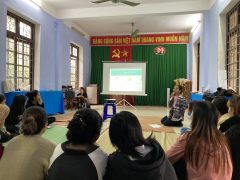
[233, 47]
[19, 51]
[74, 65]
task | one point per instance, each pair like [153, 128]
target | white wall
[52, 55]
[212, 35]
[195, 38]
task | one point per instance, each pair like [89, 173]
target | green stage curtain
[98, 54]
[162, 70]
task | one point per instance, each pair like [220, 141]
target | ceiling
[151, 16]
[146, 24]
[72, 4]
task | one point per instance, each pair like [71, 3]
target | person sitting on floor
[189, 117]
[82, 98]
[234, 112]
[34, 99]
[178, 105]
[26, 157]
[136, 157]
[4, 135]
[204, 148]
[17, 108]
[4, 112]
[79, 157]
[2, 99]
[221, 104]
[233, 136]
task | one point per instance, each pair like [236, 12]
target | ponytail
[84, 127]
[34, 120]
[29, 126]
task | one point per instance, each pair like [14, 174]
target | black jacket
[13, 118]
[229, 123]
[154, 166]
[233, 135]
[71, 164]
[84, 94]
[4, 137]
[30, 104]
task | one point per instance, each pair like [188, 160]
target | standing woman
[26, 157]
[17, 108]
[204, 148]
[136, 157]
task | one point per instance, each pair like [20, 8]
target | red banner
[176, 38]
[120, 53]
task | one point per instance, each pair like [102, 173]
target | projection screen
[123, 78]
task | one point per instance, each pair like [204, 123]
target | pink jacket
[176, 152]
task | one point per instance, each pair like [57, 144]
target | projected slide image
[126, 80]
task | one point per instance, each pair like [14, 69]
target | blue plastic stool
[109, 102]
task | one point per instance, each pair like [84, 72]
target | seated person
[2, 99]
[136, 157]
[17, 108]
[221, 105]
[204, 148]
[79, 157]
[233, 136]
[4, 135]
[178, 105]
[26, 157]
[34, 99]
[82, 99]
[189, 117]
[4, 111]
[234, 112]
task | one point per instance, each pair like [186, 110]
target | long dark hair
[85, 127]
[84, 91]
[32, 94]
[126, 133]
[2, 98]
[205, 138]
[221, 104]
[18, 104]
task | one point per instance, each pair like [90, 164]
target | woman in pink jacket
[204, 148]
